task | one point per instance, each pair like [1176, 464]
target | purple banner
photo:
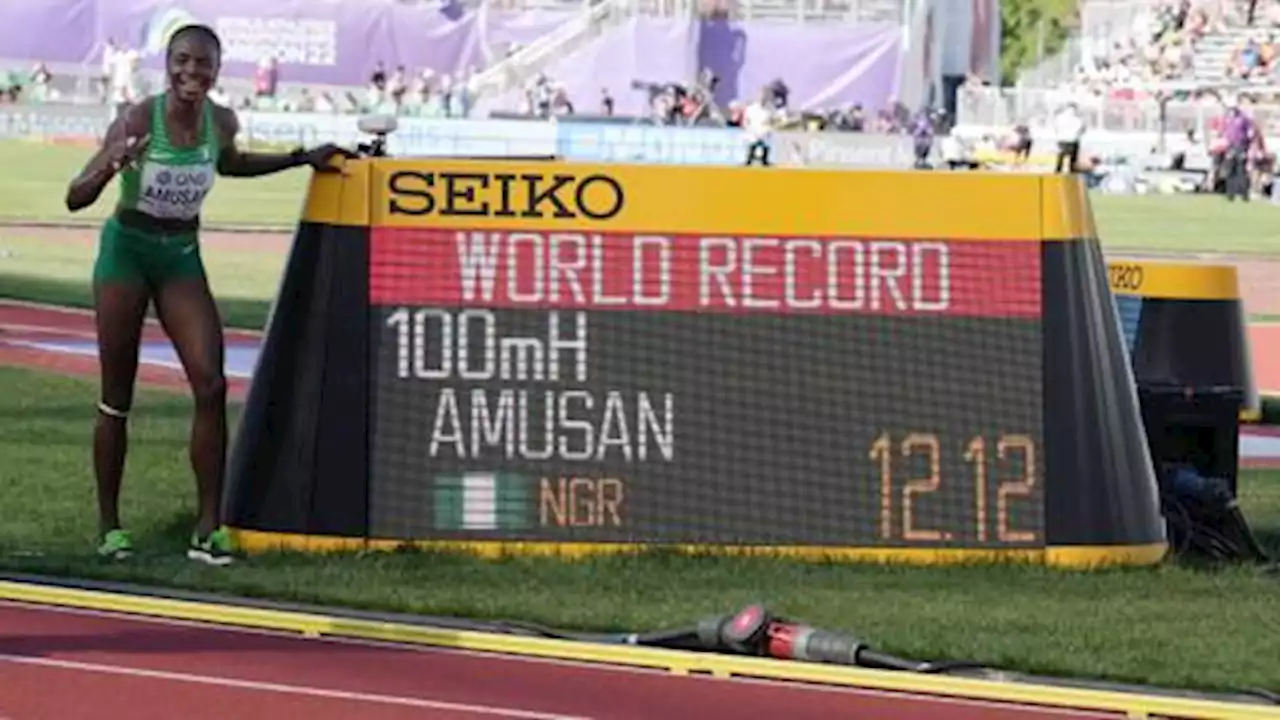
[824, 67]
[316, 41]
[643, 49]
[58, 31]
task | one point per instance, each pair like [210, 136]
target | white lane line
[89, 313]
[784, 685]
[53, 348]
[33, 305]
[216, 681]
[21, 329]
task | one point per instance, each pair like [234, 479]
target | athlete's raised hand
[126, 151]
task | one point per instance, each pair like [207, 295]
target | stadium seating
[1214, 51]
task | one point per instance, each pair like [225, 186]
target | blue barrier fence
[580, 141]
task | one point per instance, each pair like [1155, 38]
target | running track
[22, 322]
[67, 665]
[28, 322]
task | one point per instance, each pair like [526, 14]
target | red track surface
[26, 322]
[1264, 344]
[65, 665]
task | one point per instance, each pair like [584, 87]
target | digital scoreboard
[726, 389]
[599, 357]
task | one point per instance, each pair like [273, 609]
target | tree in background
[1033, 30]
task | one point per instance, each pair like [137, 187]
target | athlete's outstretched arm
[235, 163]
[126, 140]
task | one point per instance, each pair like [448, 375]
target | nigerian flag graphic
[483, 501]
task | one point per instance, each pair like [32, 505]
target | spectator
[306, 101]
[852, 119]
[108, 69]
[41, 83]
[1198, 25]
[1022, 143]
[736, 112]
[376, 93]
[560, 103]
[11, 84]
[125, 83]
[266, 80]
[1267, 53]
[758, 120]
[857, 118]
[398, 86]
[1069, 128]
[781, 94]
[956, 153]
[708, 81]
[1246, 60]
[540, 95]
[447, 93]
[1239, 133]
[1261, 161]
[922, 137]
[606, 102]
[421, 88]
[463, 97]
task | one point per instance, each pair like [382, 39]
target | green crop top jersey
[167, 183]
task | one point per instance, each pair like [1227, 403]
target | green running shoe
[116, 545]
[214, 549]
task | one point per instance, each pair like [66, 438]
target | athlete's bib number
[174, 191]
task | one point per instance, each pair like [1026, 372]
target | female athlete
[166, 150]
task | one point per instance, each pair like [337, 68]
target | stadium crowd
[1163, 44]
[1160, 47]
[1154, 62]
[424, 93]
[694, 104]
[1204, 75]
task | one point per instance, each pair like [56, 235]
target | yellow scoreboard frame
[293, 485]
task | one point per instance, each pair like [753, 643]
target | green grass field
[1144, 224]
[31, 268]
[35, 180]
[1168, 626]
[245, 280]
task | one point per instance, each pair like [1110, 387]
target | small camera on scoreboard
[380, 126]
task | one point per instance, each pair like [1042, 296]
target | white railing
[516, 70]
[1006, 107]
[1054, 69]
[1108, 20]
[812, 11]
[1113, 19]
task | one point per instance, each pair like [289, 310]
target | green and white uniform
[169, 184]
[165, 188]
